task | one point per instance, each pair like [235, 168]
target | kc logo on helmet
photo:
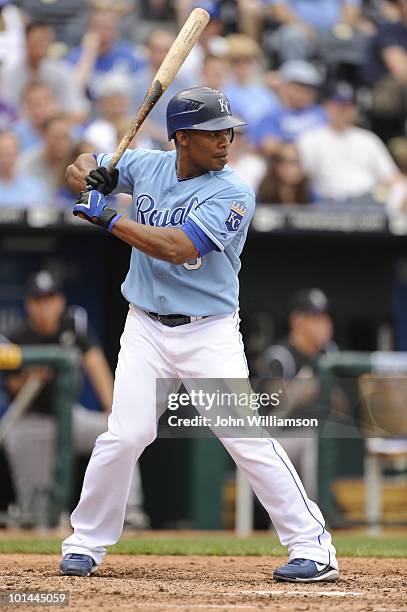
[224, 105]
[237, 212]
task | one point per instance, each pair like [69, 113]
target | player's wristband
[108, 218]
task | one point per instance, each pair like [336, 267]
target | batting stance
[189, 221]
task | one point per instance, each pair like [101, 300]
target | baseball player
[189, 221]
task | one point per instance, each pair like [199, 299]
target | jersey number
[194, 265]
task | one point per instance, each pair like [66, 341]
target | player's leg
[216, 350]
[98, 518]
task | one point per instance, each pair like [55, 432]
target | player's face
[318, 328]
[45, 312]
[208, 150]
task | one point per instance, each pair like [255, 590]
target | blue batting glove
[91, 205]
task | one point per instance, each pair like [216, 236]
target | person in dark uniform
[30, 444]
[293, 359]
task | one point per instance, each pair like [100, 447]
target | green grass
[351, 545]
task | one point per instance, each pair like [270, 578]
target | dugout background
[364, 275]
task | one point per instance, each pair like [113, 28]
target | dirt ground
[207, 583]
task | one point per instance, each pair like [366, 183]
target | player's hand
[102, 179]
[91, 205]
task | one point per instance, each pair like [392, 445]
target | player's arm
[97, 368]
[169, 244]
[85, 173]
[166, 243]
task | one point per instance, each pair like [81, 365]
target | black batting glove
[102, 179]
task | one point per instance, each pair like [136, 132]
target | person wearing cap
[299, 111]
[294, 359]
[190, 215]
[249, 96]
[30, 443]
[345, 162]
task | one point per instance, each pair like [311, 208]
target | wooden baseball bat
[179, 51]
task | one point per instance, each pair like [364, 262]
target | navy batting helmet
[200, 108]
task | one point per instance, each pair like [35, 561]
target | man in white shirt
[344, 161]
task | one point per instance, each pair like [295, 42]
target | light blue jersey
[219, 203]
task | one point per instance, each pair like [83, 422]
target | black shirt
[284, 361]
[388, 35]
[67, 336]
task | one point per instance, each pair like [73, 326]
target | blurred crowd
[322, 85]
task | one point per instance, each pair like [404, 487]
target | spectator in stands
[30, 445]
[39, 104]
[285, 182]
[8, 115]
[299, 111]
[66, 17]
[293, 359]
[247, 163]
[38, 66]
[11, 33]
[18, 190]
[386, 73]
[211, 41]
[157, 10]
[113, 119]
[102, 52]
[345, 162]
[158, 45]
[304, 23]
[49, 160]
[215, 71]
[249, 97]
[128, 11]
[113, 111]
[388, 54]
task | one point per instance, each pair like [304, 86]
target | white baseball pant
[210, 348]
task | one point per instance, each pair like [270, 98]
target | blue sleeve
[199, 239]
[225, 217]
[127, 167]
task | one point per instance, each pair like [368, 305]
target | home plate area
[150, 582]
